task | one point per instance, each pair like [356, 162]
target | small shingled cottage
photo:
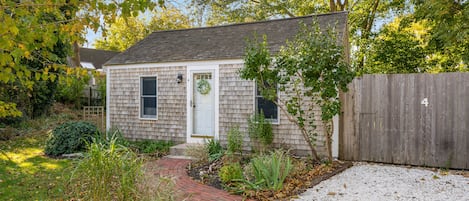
[183, 85]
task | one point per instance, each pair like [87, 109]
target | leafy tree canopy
[32, 31]
[445, 45]
[309, 71]
[125, 32]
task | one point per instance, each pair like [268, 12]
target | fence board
[383, 120]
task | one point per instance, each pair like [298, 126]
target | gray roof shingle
[219, 42]
[96, 57]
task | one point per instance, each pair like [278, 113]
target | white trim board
[108, 91]
[182, 63]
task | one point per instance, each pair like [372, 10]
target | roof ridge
[254, 22]
[218, 42]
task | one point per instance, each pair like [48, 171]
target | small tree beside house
[303, 79]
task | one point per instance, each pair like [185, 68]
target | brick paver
[192, 190]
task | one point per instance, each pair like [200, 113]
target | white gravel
[386, 182]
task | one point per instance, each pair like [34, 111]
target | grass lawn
[25, 172]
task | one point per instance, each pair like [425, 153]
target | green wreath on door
[203, 87]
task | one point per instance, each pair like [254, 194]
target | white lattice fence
[96, 115]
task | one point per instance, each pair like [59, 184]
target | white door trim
[189, 112]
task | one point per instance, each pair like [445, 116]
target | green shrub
[235, 140]
[70, 89]
[215, 150]
[69, 138]
[108, 171]
[260, 130]
[271, 170]
[151, 146]
[231, 172]
[102, 89]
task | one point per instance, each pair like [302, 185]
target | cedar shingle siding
[237, 105]
[125, 100]
[236, 96]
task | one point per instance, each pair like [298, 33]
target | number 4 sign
[424, 102]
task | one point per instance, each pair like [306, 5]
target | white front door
[201, 105]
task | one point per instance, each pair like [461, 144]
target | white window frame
[272, 121]
[141, 96]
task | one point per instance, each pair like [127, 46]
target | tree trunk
[314, 153]
[337, 5]
[76, 55]
[329, 130]
[366, 31]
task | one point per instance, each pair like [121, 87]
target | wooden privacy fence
[415, 119]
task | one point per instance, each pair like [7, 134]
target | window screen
[268, 107]
[148, 94]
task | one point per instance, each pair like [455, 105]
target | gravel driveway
[386, 182]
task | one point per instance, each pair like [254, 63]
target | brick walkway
[192, 190]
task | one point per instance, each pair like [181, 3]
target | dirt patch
[305, 175]
[206, 173]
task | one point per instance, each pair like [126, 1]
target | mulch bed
[304, 175]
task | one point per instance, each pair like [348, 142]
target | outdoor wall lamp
[179, 78]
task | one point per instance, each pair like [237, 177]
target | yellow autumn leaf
[45, 76]
[14, 30]
[27, 54]
[21, 46]
[52, 77]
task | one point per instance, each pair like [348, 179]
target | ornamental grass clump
[270, 171]
[108, 171]
[263, 173]
[215, 150]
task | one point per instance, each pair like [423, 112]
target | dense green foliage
[70, 90]
[109, 171]
[9, 110]
[214, 149]
[444, 43]
[448, 33]
[235, 141]
[396, 50]
[70, 137]
[125, 32]
[310, 70]
[36, 38]
[260, 131]
[102, 89]
[230, 173]
[35, 100]
[151, 146]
